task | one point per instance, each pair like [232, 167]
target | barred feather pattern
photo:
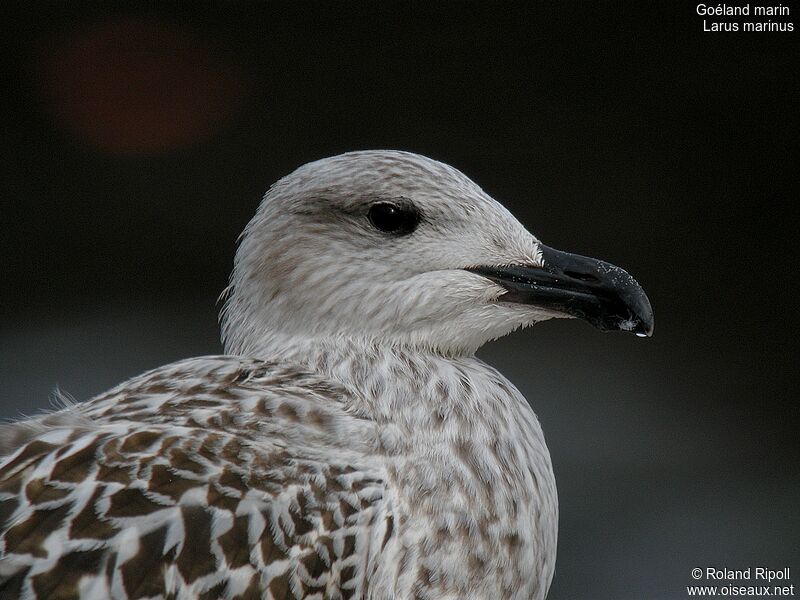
[166, 493]
[373, 474]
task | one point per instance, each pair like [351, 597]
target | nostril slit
[582, 276]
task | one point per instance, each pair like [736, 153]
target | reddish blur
[138, 86]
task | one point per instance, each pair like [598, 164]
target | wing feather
[216, 477]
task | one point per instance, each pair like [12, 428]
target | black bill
[590, 289]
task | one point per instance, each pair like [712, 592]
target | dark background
[138, 141]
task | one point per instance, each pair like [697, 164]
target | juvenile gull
[349, 445]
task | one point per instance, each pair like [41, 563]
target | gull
[349, 444]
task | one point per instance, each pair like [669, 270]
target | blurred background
[139, 138]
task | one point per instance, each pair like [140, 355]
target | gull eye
[392, 218]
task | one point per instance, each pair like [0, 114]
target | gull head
[393, 247]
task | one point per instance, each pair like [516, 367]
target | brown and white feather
[350, 446]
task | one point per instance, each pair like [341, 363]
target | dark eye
[393, 218]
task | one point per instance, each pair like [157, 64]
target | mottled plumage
[349, 446]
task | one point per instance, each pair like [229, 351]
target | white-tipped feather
[349, 447]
